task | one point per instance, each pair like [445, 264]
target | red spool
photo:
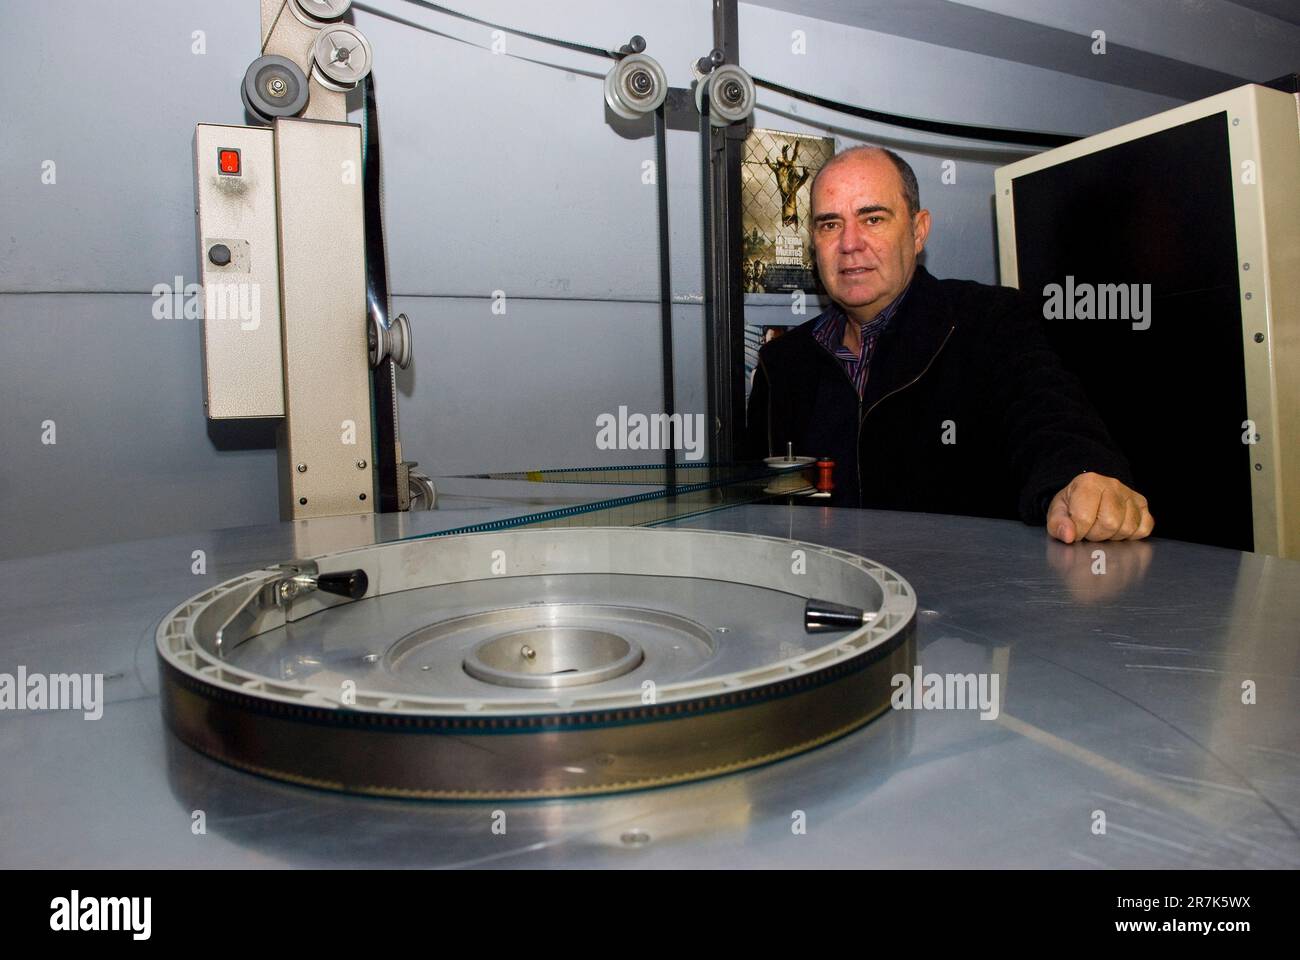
[825, 482]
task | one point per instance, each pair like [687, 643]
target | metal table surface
[1121, 696]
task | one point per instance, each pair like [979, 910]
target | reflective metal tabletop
[1147, 718]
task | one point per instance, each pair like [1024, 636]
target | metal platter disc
[534, 662]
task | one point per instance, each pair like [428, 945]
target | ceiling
[1185, 49]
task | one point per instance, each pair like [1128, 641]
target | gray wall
[500, 174]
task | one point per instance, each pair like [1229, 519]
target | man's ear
[921, 229]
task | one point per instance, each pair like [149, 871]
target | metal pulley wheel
[543, 662]
[312, 12]
[273, 87]
[731, 95]
[392, 341]
[422, 490]
[637, 85]
[341, 57]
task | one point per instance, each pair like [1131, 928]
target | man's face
[865, 241]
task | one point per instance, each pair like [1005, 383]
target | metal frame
[295, 221]
[323, 298]
[286, 35]
[724, 298]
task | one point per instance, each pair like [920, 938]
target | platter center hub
[553, 656]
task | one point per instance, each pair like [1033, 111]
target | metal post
[724, 293]
[665, 288]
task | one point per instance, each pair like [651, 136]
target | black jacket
[956, 351]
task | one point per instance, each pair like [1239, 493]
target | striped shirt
[828, 330]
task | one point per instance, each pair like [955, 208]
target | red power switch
[228, 161]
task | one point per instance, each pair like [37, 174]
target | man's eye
[875, 220]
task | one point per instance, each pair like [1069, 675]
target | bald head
[867, 228]
[910, 189]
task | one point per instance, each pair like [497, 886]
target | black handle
[352, 584]
[822, 616]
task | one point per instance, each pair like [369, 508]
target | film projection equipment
[637, 84]
[728, 88]
[657, 656]
[282, 257]
[296, 316]
[1167, 255]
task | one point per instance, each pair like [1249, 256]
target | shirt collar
[830, 327]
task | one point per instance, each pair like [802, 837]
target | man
[933, 395]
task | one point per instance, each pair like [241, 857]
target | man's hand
[1094, 507]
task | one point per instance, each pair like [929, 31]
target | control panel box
[239, 270]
